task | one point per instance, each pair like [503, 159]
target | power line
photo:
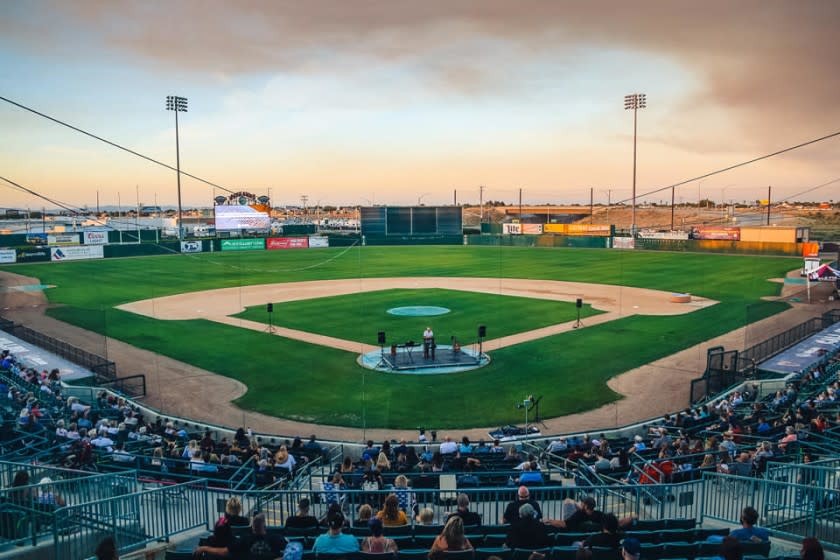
[731, 167]
[114, 144]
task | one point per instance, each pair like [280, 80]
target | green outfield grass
[360, 316]
[300, 381]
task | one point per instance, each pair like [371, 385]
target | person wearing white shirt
[448, 446]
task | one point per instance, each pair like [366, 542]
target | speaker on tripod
[269, 308]
[578, 304]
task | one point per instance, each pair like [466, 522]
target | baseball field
[220, 328]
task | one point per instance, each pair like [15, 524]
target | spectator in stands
[527, 531]
[481, 447]
[383, 464]
[530, 475]
[608, 537]
[708, 462]
[638, 445]
[107, 549]
[811, 549]
[333, 490]
[557, 446]
[407, 500]
[748, 531]
[631, 549]
[451, 539]
[523, 496]
[346, 466]
[221, 540]
[364, 515]
[258, 544]
[762, 427]
[731, 549]
[24, 496]
[312, 445]
[391, 514]
[790, 435]
[620, 461]
[586, 513]
[470, 518]
[120, 455]
[284, 460]
[465, 446]
[46, 495]
[426, 517]
[448, 446]
[497, 447]
[376, 543]
[303, 519]
[334, 541]
[601, 464]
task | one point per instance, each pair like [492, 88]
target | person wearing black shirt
[470, 518]
[303, 520]
[527, 532]
[259, 545]
[523, 497]
[608, 537]
[586, 514]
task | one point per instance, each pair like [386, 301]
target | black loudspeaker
[270, 308]
[579, 303]
[380, 337]
[482, 331]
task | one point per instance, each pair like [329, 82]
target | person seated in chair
[334, 541]
[527, 531]
[748, 531]
[470, 518]
[303, 519]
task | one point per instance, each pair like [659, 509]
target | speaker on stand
[482, 332]
[578, 304]
[269, 308]
[380, 338]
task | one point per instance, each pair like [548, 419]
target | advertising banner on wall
[243, 244]
[36, 238]
[623, 243]
[63, 239]
[589, 230]
[512, 228]
[717, 232]
[273, 243]
[319, 242]
[95, 237]
[76, 253]
[651, 234]
[8, 256]
[31, 254]
[533, 229]
[190, 246]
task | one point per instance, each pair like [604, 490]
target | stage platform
[410, 360]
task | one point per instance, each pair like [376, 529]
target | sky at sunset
[395, 102]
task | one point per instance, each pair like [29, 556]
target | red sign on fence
[286, 243]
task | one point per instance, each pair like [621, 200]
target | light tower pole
[634, 101]
[179, 105]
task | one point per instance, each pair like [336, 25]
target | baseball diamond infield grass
[360, 316]
[291, 379]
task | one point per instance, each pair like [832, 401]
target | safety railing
[133, 519]
[792, 511]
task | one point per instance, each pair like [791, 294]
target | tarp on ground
[806, 354]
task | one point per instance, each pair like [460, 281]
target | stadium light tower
[179, 105]
[634, 101]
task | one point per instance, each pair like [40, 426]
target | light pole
[179, 105]
[634, 101]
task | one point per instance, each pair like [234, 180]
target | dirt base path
[180, 389]
[221, 304]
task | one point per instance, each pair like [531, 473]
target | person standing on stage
[428, 340]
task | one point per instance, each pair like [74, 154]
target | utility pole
[303, 199]
[769, 192]
[481, 204]
[591, 204]
[455, 197]
[672, 208]
[520, 205]
[609, 204]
